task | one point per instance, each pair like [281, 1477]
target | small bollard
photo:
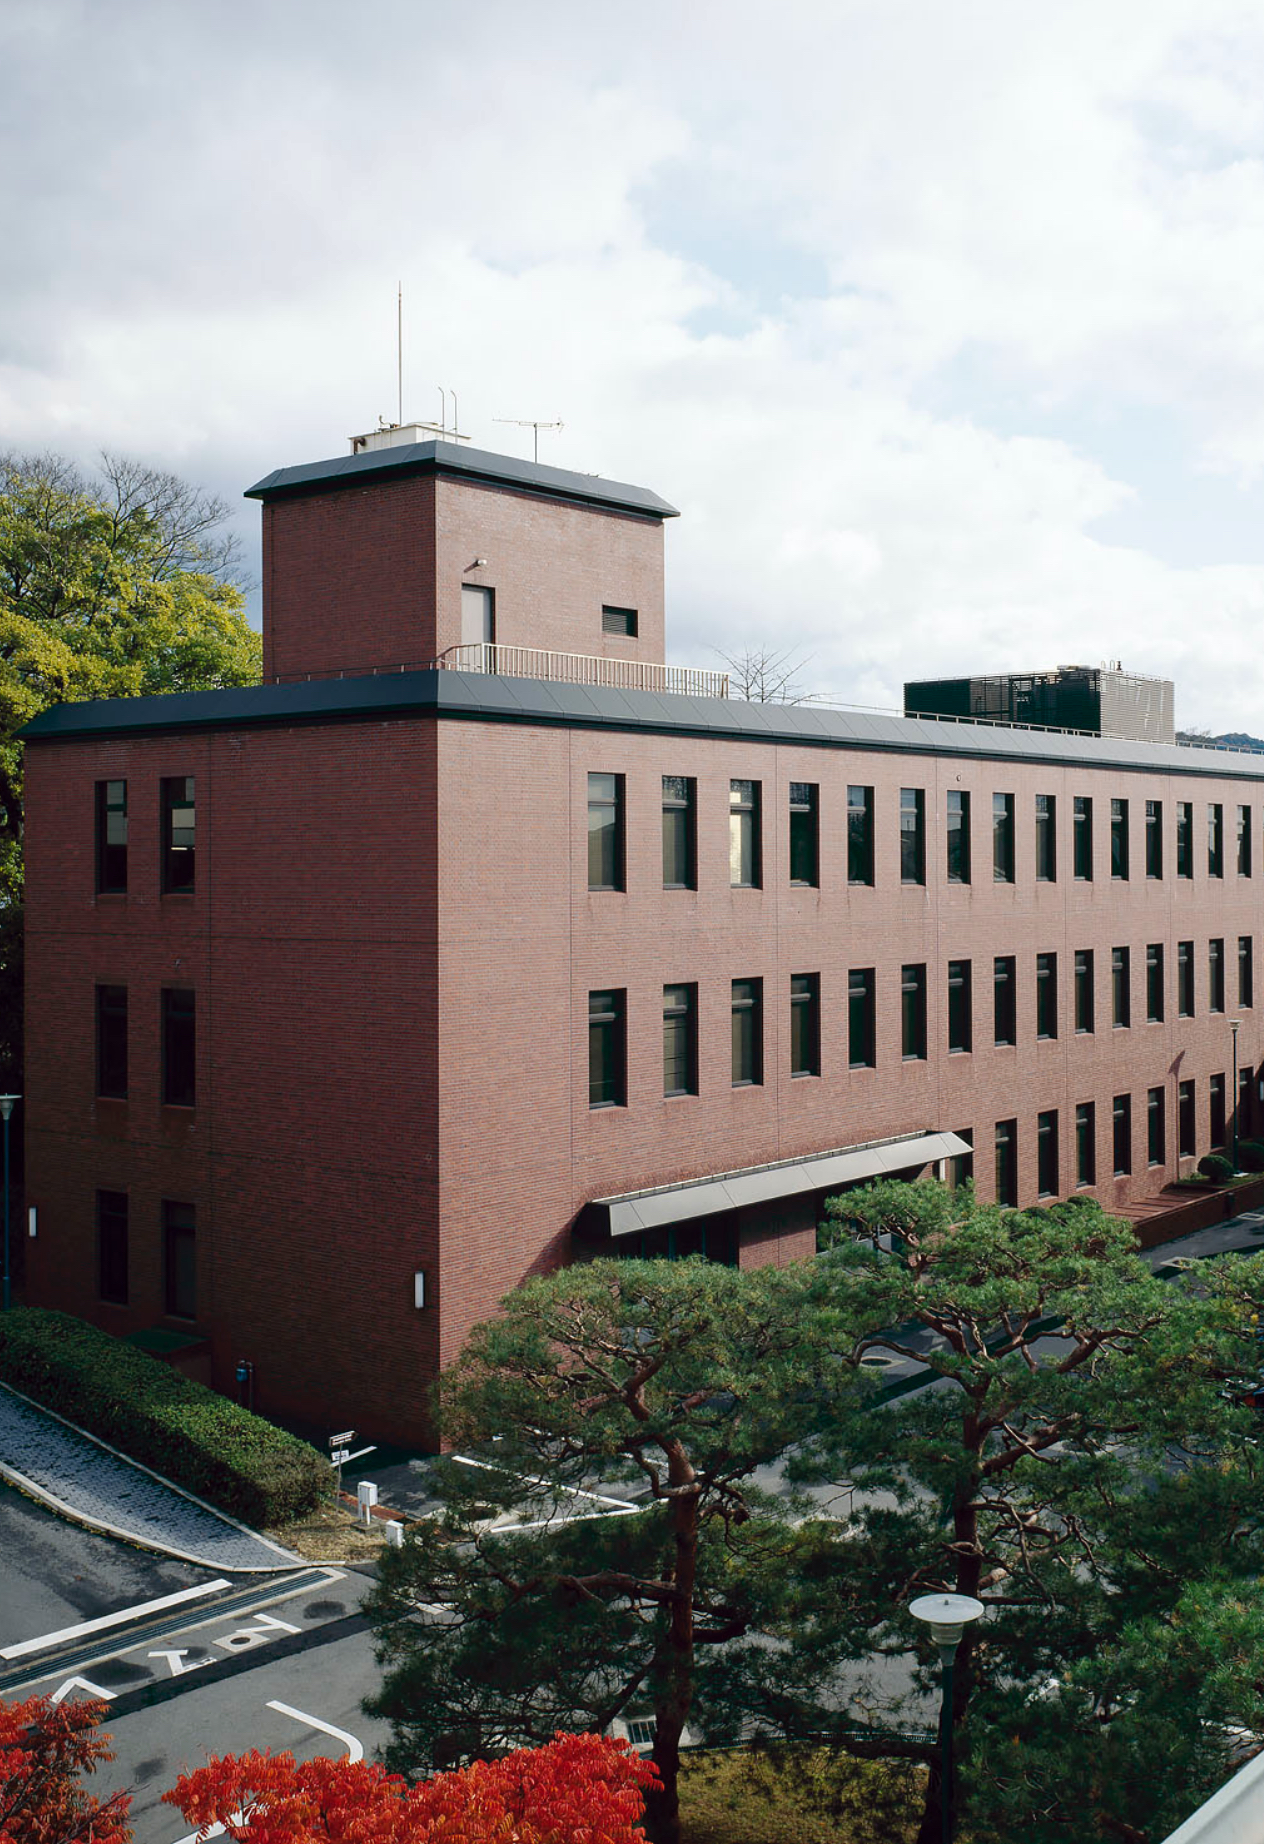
[366, 1498]
[393, 1531]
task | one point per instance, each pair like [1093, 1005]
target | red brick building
[353, 1000]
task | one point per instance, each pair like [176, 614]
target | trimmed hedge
[1216, 1167]
[1251, 1156]
[186, 1432]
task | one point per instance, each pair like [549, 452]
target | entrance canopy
[764, 1184]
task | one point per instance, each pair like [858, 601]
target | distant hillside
[1235, 739]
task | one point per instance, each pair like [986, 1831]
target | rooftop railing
[584, 669]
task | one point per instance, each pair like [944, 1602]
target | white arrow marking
[265, 1625]
[93, 1690]
[355, 1749]
[176, 1664]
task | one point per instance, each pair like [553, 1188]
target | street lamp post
[6, 1109]
[1235, 1025]
[946, 1615]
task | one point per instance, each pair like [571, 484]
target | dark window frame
[607, 1048]
[113, 1237]
[1005, 1154]
[1155, 983]
[1121, 989]
[179, 858]
[745, 834]
[111, 853]
[1046, 838]
[1047, 997]
[179, 1274]
[1004, 1000]
[1244, 841]
[862, 1032]
[957, 866]
[680, 1038]
[1216, 974]
[1086, 1143]
[1002, 838]
[747, 1004]
[1215, 838]
[1085, 992]
[1154, 839]
[623, 623]
[913, 1012]
[1082, 837]
[804, 831]
[1048, 1172]
[1186, 999]
[860, 853]
[111, 1042]
[805, 1025]
[1120, 843]
[912, 836]
[1246, 971]
[1218, 1110]
[1184, 838]
[680, 830]
[613, 830]
[1187, 1118]
[1121, 1135]
[960, 1008]
[1156, 1126]
[179, 1046]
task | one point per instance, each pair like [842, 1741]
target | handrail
[583, 669]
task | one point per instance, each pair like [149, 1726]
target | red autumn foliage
[578, 1789]
[44, 1748]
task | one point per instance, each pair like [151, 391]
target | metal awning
[764, 1184]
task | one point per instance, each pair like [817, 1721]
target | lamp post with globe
[947, 1616]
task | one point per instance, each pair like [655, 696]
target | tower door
[477, 616]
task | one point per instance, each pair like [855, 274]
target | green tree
[674, 1381]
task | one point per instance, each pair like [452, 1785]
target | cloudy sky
[942, 325]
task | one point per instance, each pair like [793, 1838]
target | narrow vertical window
[111, 828]
[1046, 838]
[913, 1012]
[1154, 982]
[1215, 976]
[1216, 1110]
[1246, 1078]
[1246, 970]
[112, 1042]
[1046, 995]
[1004, 1000]
[860, 835]
[1006, 1144]
[861, 1022]
[1121, 1118]
[957, 838]
[607, 1049]
[1186, 1122]
[680, 1040]
[112, 1247]
[1082, 814]
[1184, 838]
[744, 843]
[179, 1236]
[1003, 838]
[1121, 988]
[960, 1008]
[1244, 841]
[1215, 839]
[179, 833]
[1185, 979]
[1086, 1144]
[803, 833]
[1156, 1127]
[680, 832]
[961, 1165]
[179, 1047]
[912, 836]
[805, 1024]
[605, 832]
[1119, 838]
[1154, 838]
[748, 1033]
[1047, 1153]
[1084, 989]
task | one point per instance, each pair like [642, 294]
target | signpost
[339, 1451]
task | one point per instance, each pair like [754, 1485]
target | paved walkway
[76, 1475]
[1245, 1232]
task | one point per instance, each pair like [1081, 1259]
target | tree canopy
[45, 1749]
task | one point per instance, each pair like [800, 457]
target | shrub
[201, 1440]
[1251, 1156]
[1216, 1168]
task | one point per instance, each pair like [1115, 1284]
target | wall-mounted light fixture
[419, 1288]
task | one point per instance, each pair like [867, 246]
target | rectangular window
[1216, 1110]
[1047, 1153]
[1154, 838]
[860, 835]
[112, 1042]
[1244, 841]
[1082, 810]
[1046, 838]
[1004, 1000]
[1007, 1162]
[112, 1247]
[803, 833]
[960, 1007]
[179, 1047]
[179, 833]
[1154, 982]
[861, 1023]
[1084, 989]
[620, 621]
[1187, 1132]
[1119, 838]
[111, 837]
[1215, 839]
[1086, 1144]
[179, 1237]
[748, 1033]
[1046, 995]
[961, 1165]
[744, 845]
[1184, 838]
[912, 836]
[680, 1040]
[605, 832]
[1246, 1078]
[1003, 838]
[1246, 970]
[958, 836]
[805, 1024]
[680, 832]
[1156, 1127]
[1185, 979]
[607, 1049]
[1121, 1118]
[1215, 976]
[1120, 988]
[913, 1011]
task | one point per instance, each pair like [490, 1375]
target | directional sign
[342, 1440]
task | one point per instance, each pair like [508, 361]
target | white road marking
[93, 1690]
[598, 1498]
[265, 1627]
[175, 1661]
[355, 1749]
[121, 1618]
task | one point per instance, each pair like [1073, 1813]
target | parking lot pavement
[1237, 1235]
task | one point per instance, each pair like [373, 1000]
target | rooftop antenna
[525, 422]
[399, 351]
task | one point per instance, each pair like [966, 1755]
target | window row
[607, 823]
[177, 1040]
[177, 850]
[607, 1038]
[179, 1254]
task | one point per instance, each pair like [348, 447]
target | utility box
[366, 1498]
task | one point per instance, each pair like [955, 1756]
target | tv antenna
[399, 352]
[525, 422]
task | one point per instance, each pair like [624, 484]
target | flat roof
[496, 698]
[412, 458]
